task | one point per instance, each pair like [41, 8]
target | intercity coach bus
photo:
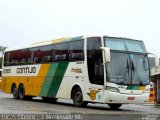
[86, 69]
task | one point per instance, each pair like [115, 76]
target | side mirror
[156, 62]
[107, 57]
[153, 59]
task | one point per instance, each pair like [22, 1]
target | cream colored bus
[86, 69]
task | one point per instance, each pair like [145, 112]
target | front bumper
[114, 97]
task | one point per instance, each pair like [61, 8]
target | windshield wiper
[132, 66]
[128, 66]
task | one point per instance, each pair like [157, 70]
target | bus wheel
[15, 91]
[21, 92]
[77, 97]
[49, 99]
[114, 106]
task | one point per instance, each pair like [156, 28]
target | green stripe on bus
[132, 88]
[48, 80]
[57, 79]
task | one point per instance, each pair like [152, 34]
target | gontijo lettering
[26, 70]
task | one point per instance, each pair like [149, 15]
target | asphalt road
[64, 109]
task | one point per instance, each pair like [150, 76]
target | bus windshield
[125, 45]
[129, 62]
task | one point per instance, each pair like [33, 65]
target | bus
[86, 69]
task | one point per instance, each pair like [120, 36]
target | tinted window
[76, 50]
[6, 58]
[22, 56]
[45, 53]
[93, 45]
[33, 55]
[41, 54]
[14, 58]
[60, 52]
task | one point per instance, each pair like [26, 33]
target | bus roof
[66, 39]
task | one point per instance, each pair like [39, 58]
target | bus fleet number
[7, 71]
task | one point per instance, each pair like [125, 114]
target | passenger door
[95, 70]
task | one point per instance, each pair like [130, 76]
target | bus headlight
[112, 89]
[147, 90]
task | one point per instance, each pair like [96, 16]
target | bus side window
[76, 50]
[6, 59]
[60, 52]
[45, 53]
[14, 58]
[33, 53]
[22, 56]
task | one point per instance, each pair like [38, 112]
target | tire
[85, 103]
[77, 97]
[114, 106]
[28, 97]
[15, 92]
[49, 99]
[21, 92]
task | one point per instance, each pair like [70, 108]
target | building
[155, 73]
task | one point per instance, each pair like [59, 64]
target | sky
[23, 22]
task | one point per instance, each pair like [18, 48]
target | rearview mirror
[106, 52]
[153, 60]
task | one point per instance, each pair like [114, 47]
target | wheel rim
[78, 96]
[21, 92]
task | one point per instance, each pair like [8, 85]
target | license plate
[131, 98]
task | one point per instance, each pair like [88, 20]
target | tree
[0, 62]
[2, 49]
